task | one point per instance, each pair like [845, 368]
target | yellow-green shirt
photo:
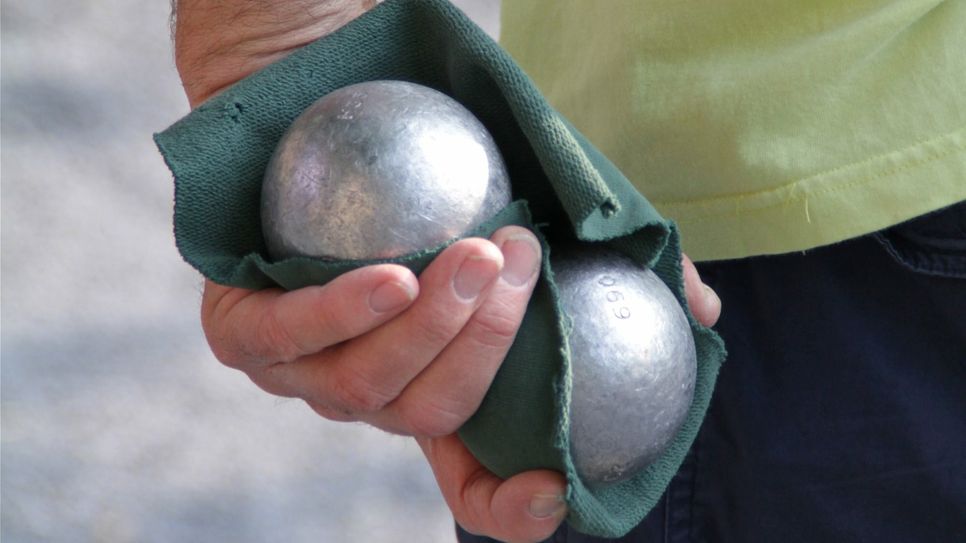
[761, 127]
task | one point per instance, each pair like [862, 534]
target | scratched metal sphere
[633, 363]
[378, 170]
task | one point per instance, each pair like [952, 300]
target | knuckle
[436, 327]
[495, 329]
[273, 334]
[473, 516]
[223, 338]
[214, 338]
[223, 355]
[330, 413]
[352, 392]
[221, 347]
[266, 383]
[429, 419]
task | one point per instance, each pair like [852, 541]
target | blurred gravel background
[117, 423]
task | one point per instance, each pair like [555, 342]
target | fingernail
[389, 296]
[710, 296]
[474, 275]
[522, 255]
[547, 505]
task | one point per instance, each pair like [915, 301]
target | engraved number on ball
[614, 296]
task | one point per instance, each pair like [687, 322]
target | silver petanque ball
[378, 170]
[633, 363]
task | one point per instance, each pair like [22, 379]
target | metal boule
[378, 170]
[633, 362]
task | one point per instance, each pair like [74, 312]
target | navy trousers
[840, 414]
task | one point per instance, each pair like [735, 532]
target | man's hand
[412, 356]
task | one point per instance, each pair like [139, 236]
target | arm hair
[218, 42]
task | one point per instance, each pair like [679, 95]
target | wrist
[218, 43]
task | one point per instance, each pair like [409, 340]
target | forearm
[218, 42]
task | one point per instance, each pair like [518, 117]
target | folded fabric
[563, 188]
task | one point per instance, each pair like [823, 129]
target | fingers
[247, 329]
[450, 390]
[362, 376]
[526, 507]
[360, 348]
[704, 303]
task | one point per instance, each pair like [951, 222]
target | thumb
[526, 507]
[704, 303]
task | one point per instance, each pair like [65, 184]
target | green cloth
[564, 189]
[761, 127]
